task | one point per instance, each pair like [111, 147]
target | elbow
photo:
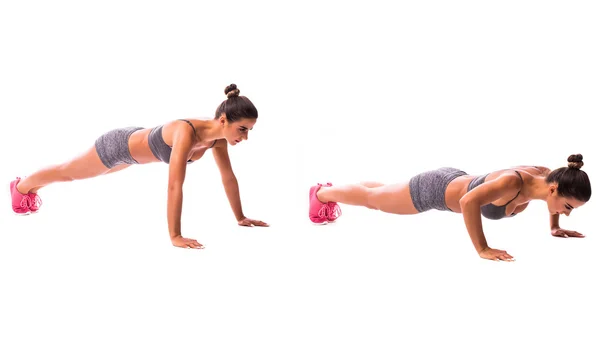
[229, 179]
[174, 187]
[466, 202]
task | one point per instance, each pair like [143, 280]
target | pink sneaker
[20, 202]
[36, 202]
[320, 212]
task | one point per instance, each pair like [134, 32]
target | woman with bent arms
[496, 195]
[177, 143]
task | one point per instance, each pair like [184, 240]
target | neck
[538, 190]
[211, 130]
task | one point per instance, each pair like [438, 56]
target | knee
[371, 184]
[65, 178]
[63, 174]
[372, 201]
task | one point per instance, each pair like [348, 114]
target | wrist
[482, 249]
[240, 218]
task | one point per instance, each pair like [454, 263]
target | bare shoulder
[534, 170]
[498, 185]
[508, 178]
[176, 129]
[543, 170]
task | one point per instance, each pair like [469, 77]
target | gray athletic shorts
[113, 147]
[428, 189]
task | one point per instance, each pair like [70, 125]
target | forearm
[554, 221]
[232, 191]
[174, 206]
[472, 217]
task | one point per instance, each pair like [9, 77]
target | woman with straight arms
[499, 194]
[177, 143]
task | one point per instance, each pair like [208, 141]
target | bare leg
[112, 170]
[393, 198]
[371, 184]
[87, 165]
[117, 168]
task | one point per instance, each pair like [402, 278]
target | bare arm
[182, 144]
[484, 194]
[555, 229]
[554, 221]
[229, 181]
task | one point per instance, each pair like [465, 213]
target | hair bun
[575, 161]
[232, 91]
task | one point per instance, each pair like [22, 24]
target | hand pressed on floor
[496, 255]
[182, 242]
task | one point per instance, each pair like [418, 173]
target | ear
[553, 188]
[222, 119]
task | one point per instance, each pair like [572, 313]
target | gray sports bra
[490, 210]
[160, 149]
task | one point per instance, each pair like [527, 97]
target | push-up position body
[177, 143]
[495, 195]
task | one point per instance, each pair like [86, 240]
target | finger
[261, 224]
[561, 234]
[576, 234]
[507, 257]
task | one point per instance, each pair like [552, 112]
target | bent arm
[182, 144]
[484, 194]
[554, 221]
[229, 180]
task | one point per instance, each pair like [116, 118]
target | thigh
[393, 198]
[118, 168]
[86, 165]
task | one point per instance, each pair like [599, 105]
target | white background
[346, 92]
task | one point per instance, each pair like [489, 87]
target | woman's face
[236, 132]
[561, 205]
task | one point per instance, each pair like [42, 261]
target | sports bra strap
[511, 200]
[190, 123]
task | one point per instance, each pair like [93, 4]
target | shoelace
[25, 202]
[35, 201]
[330, 210]
[334, 210]
[324, 211]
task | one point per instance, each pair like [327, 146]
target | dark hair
[235, 106]
[572, 181]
